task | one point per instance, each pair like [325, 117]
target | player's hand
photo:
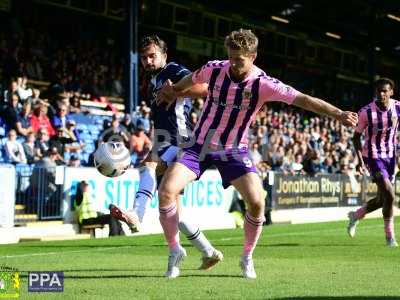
[166, 94]
[361, 169]
[349, 118]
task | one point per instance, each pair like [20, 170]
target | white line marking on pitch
[61, 252]
[223, 239]
[301, 233]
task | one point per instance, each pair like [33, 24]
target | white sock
[147, 188]
[196, 238]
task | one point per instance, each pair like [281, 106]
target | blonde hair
[242, 39]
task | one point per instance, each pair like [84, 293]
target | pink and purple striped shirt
[231, 106]
[380, 128]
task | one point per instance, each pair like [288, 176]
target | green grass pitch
[310, 261]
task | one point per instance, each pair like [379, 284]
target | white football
[112, 159]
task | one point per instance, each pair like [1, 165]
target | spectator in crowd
[115, 132]
[14, 150]
[40, 120]
[145, 119]
[23, 123]
[34, 68]
[89, 215]
[22, 90]
[328, 166]
[11, 90]
[35, 98]
[127, 123]
[55, 156]
[71, 133]
[74, 161]
[47, 167]
[60, 141]
[11, 111]
[32, 152]
[42, 142]
[254, 154]
[140, 144]
[75, 105]
[297, 165]
[62, 117]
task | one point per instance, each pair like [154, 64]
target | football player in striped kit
[172, 127]
[237, 89]
[379, 122]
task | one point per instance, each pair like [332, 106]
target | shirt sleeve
[362, 121]
[272, 89]
[203, 74]
[180, 73]
[10, 153]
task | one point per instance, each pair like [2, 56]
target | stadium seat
[85, 157]
[86, 137]
[81, 127]
[92, 127]
[89, 148]
[67, 156]
[21, 140]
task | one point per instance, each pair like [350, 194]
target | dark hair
[384, 81]
[14, 94]
[153, 39]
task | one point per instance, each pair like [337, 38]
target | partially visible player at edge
[379, 121]
[172, 127]
[237, 89]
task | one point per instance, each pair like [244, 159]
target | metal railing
[37, 195]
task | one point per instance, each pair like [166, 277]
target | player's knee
[257, 205]
[166, 193]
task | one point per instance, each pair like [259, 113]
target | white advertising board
[7, 195]
[204, 202]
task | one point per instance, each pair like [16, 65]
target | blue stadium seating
[85, 157]
[81, 127]
[21, 140]
[89, 148]
[67, 156]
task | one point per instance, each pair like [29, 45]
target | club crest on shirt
[247, 94]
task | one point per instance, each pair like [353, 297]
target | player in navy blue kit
[172, 128]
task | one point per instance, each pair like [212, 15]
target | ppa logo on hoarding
[46, 281]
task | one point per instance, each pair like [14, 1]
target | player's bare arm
[183, 88]
[321, 107]
[358, 148]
